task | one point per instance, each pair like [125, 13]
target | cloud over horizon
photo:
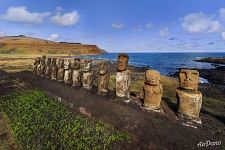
[22, 15]
[164, 32]
[66, 19]
[54, 37]
[222, 35]
[199, 23]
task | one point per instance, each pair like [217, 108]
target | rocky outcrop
[216, 60]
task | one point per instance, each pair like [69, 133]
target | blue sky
[121, 25]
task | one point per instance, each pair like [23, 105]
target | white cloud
[222, 35]
[21, 14]
[54, 37]
[66, 19]
[2, 34]
[117, 25]
[59, 9]
[222, 13]
[164, 32]
[136, 30]
[149, 25]
[199, 22]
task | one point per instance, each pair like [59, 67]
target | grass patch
[7, 141]
[213, 106]
[169, 85]
[40, 122]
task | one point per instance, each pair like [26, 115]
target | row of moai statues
[189, 99]
[75, 74]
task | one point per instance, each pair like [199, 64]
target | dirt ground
[149, 130]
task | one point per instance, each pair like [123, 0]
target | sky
[120, 25]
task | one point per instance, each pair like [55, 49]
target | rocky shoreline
[216, 60]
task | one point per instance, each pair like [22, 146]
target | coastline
[212, 112]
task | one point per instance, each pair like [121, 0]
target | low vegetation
[40, 122]
[7, 141]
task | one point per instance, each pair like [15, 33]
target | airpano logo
[208, 143]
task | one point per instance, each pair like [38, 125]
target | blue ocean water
[163, 62]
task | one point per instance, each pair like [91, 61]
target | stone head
[60, 63]
[37, 61]
[152, 77]
[76, 64]
[189, 79]
[102, 67]
[53, 63]
[48, 61]
[67, 64]
[43, 58]
[87, 65]
[122, 62]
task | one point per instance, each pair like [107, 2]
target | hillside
[29, 45]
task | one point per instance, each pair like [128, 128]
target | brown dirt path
[148, 130]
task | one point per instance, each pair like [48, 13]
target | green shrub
[40, 122]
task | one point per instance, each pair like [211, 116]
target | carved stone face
[87, 65]
[37, 61]
[67, 64]
[122, 62]
[43, 60]
[60, 63]
[53, 62]
[102, 67]
[76, 64]
[48, 61]
[152, 77]
[189, 79]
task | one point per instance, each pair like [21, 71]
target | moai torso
[42, 66]
[48, 68]
[123, 84]
[189, 99]
[53, 69]
[60, 70]
[123, 77]
[87, 75]
[189, 104]
[76, 76]
[35, 67]
[103, 79]
[68, 72]
[152, 90]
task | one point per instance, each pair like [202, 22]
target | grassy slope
[7, 141]
[40, 122]
[28, 45]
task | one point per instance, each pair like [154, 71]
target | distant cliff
[29, 45]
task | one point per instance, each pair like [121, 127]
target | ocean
[165, 63]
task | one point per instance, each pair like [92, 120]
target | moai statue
[67, 72]
[60, 70]
[36, 63]
[53, 69]
[123, 78]
[48, 68]
[103, 78]
[76, 76]
[189, 99]
[152, 90]
[41, 68]
[87, 75]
